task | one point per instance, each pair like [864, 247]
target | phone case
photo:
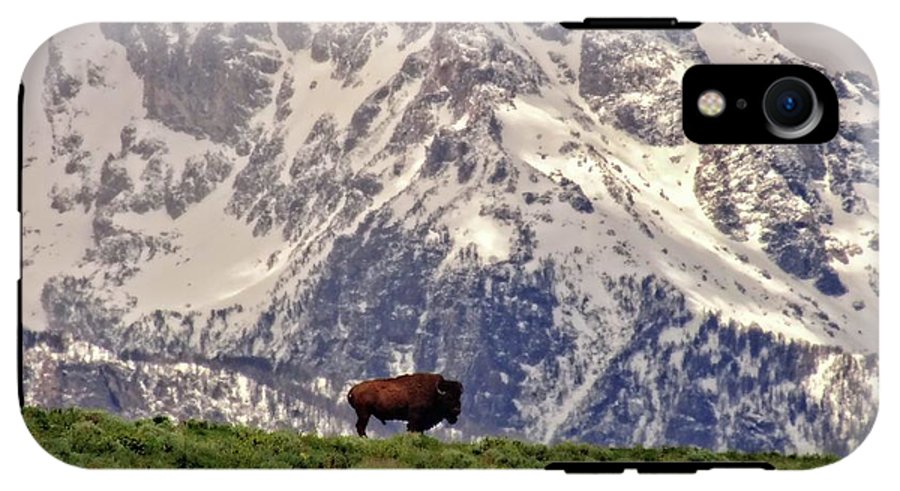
[234, 236]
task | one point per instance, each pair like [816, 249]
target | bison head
[448, 395]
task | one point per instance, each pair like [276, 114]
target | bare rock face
[61, 85]
[632, 80]
[780, 190]
[347, 47]
[552, 32]
[295, 36]
[198, 178]
[206, 83]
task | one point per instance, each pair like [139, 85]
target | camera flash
[711, 103]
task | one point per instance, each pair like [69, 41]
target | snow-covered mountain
[238, 222]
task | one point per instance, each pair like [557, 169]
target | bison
[420, 399]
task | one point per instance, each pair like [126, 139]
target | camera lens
[791, 108]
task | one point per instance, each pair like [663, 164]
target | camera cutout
[742, 104]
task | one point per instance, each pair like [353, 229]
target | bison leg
[362, 420]
[416, 425]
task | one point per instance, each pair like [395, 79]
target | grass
[95, 439]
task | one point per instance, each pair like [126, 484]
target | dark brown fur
[420, 399]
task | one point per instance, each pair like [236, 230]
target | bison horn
[439, 391]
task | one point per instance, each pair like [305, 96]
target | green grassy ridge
[96, 439]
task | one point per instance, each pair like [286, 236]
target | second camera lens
[791, 108]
